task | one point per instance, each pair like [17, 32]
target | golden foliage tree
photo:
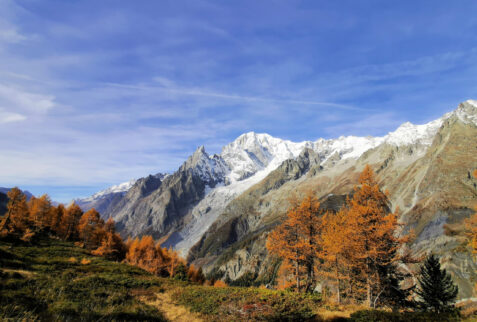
[15, 221]
[40, 211]
[372, 242]
[195, 275]
[112, 245]
[91, 229]
[471, 229]
[57, 213]
[68, 228]
[334, 249]
[295, 240]
[148, 255]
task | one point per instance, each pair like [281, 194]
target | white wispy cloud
[203, 92]
[7, 117]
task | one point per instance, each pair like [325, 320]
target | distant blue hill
[27, 193]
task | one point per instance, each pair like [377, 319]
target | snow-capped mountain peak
[467, 112]
[409, 133]
[119, 188]
[211, 169]
[252, 152]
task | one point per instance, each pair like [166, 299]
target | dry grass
[22, 272]
[337, 312]
[468, 310]
[172, 311]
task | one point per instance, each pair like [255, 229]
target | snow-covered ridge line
[122, 187]
[251, 157]
[253, 152]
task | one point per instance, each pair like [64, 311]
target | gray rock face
[242, 215]
[160, 206]
[431, 184]
[225, 205]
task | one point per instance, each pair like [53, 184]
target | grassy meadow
[57, 281]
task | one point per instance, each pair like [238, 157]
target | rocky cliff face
[217, 210]
[429, 179]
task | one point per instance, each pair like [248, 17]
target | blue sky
[93, 93]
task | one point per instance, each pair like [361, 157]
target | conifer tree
[471, 229]
[310, 225]
[437, 291]
[199, 276]
[112, 245]
[68, 229]
[295, 240]
[335, 250]
[91, 229]
[40, 211]
[173, 261]
[15, 221]
[181, 272]
[57, 213]
[373, 244]
[285, 242]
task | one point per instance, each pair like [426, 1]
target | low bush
[384, 316]
[239, 303]
[52, 287]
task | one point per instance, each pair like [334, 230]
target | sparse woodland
[355, 254]
[25, 220]
[350, 257]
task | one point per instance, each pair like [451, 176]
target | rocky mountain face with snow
[217, 210]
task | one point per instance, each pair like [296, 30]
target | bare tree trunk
[368, 289]
[297, 273]
[338, 280]
[350, 286]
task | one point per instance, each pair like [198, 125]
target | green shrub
[378, 316]
[56, 289]
[238, 303]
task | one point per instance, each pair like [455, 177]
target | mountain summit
[227, 203]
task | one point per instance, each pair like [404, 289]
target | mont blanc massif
[217, 210]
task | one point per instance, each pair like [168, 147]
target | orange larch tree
[132, 254]
[40, 211]
[471, 229]
[373, 244]
[68, 228]
[148, 255]
[309, 223]
[112, 245]
[284, 241]
[91, 229]
[57, 213]
[334, 250]
[15, 221]
[295, 239]
[173, 261]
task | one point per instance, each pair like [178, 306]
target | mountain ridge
[242, 191]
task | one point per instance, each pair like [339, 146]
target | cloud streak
[206, 93]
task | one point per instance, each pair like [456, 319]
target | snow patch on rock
[122, 187]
